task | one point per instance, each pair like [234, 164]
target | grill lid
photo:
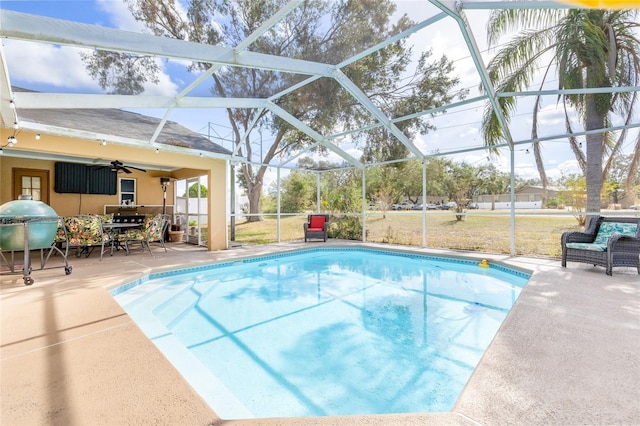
[35, 218]
[25, 209]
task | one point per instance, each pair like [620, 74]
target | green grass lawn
[535, 235]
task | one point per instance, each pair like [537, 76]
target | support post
[278, 203]
[513, 203]
[318, 192]
[232, 201]
[364, 205]
[424, 203]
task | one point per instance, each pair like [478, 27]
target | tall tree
[462, 182]
[623, 180]
[494, 182]
[297, 192]
[583, 49]
[324, 31]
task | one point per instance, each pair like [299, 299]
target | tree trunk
[254, 202]
[541, 171]
[254, 182]
[537, 154]
[594, 120]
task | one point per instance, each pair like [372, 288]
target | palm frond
[521, 55]
[589, 48]
[503, 21]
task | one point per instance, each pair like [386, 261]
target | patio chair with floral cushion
[152, 231]
[60, 243]
[316, 226]
[62, 237]
[85, 234]
[608, 242]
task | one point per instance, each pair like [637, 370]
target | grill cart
[27, 225]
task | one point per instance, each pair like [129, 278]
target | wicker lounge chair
[316, 226]
[608, 242]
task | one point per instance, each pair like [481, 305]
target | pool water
[326, 331]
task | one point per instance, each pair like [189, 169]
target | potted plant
[176, 233]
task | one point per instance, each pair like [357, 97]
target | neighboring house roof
[120, 123]
[530, 189]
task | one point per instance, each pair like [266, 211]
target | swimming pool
[328, 331]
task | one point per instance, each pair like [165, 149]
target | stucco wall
[149, 189]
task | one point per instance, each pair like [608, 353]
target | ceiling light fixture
[16, 125]
[37, 136]
[103, 142]
[12, 105]
[12, 140]
[157, 150]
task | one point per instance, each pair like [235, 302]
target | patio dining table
[113, 229]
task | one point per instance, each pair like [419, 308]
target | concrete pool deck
[567, 353]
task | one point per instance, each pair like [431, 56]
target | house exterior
[96, 137]
[527, 197]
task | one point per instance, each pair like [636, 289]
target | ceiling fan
[118, 166]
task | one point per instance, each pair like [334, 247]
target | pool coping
[566, 353]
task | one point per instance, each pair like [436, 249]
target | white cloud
[165, 86]
[471, 133]
[568, 167]
[553, 116]
[526, 171]
[35, 63]
[61, 66]
[119, 16]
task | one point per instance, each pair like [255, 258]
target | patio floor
[567, 353]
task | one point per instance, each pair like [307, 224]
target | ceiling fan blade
[117, 166]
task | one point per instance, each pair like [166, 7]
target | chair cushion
[317, 223]
[153, 227]
[588, 246]
[132, 234]
[607, 229]
[61, 235]
[85, 230]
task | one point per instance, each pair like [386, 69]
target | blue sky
[51, 68]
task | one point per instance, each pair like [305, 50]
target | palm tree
[582, 48]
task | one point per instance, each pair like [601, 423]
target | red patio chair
[316, 226]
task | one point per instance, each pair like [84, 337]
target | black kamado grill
[27, 225]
